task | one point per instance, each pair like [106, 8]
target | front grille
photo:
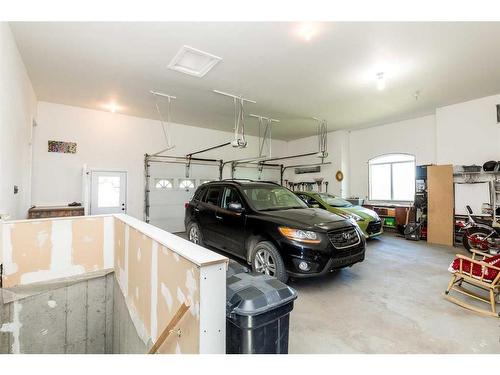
[344, 238]
[374, 227]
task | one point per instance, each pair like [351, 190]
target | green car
[367, 220]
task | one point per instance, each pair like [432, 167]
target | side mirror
[235, 207]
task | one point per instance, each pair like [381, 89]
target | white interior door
[108, 192]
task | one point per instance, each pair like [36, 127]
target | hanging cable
[322, 138]
[239, 124]
[165, 123]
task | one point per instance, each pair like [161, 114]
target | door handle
[196, 210]
[218, 217]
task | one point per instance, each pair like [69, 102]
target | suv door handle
[196, 209]
[218, 217]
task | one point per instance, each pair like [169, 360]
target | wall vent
[194, 62]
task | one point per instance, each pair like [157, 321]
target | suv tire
[267, 260]
[194, 234]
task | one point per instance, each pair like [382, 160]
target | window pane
[380, 182]
[391, 158]
[163, 184]
[108, 193]
[213, 195]
[186, 184]
[403, 181]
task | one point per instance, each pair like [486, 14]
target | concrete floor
[390, 303]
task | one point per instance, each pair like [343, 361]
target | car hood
[307, 218]
[365, 213]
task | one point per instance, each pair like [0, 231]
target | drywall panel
[440, 219]
[18, 106]
[46, 249]
[178, 282]
[159, 278]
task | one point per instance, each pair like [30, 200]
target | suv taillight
[186, 205]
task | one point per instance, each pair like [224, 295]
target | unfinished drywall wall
[156, 272]
[46, 249]
[155, 282]
[18, 105]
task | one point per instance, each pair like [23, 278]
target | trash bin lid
[234, 267]
[254, 293]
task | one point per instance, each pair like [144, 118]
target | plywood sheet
[441, 203]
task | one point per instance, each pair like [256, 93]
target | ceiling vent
[194, 62]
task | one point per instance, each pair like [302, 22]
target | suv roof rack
[240, 180]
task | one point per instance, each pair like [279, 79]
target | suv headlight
[299, 235]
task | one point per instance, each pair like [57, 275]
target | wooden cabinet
[55, 211]
[440, 220]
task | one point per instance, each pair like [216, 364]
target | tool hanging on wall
[239, 118]
[165, 122]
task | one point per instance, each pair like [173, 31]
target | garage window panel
[392, 177]
[187, 184]
[164, 183]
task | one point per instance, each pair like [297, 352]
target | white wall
[459, 134]
[113, 141]
[468, 133]
[416, 137]
[17, 109]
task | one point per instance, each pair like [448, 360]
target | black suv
[272, 229]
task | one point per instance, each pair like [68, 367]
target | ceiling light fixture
[307, 30]
[111, 107]
[380, 81]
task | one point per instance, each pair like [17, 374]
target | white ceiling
[331, 76]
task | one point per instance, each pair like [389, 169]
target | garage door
[170, 189]
[252, 172]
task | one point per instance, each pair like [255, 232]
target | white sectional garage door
[170, 189]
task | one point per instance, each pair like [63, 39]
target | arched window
[163, 183]
[392, 177]
[186, 184]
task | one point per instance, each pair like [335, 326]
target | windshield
[272, 198]
[334, 201]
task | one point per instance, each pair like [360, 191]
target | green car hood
[365, 213]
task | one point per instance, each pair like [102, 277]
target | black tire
[193, 227]
[273, 263]
[479, 230]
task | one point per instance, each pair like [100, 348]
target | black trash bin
[257, 314]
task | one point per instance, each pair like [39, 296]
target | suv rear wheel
[194, 234]
[267, 260]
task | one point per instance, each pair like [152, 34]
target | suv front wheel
[267, 260]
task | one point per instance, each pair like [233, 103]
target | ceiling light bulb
[112, 107]
[307, 31]
[380, 81]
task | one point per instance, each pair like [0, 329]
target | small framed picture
[63, 147]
